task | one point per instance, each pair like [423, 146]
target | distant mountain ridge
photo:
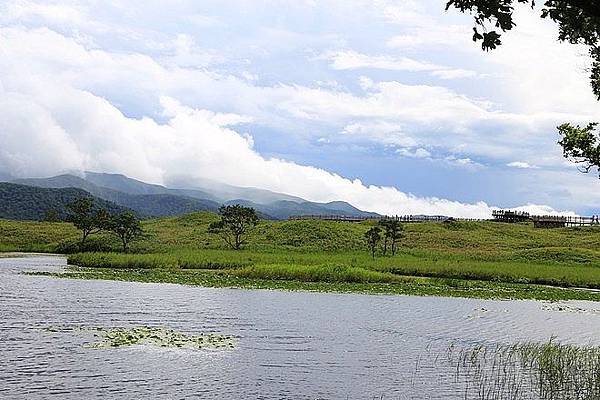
[22, 202]
[156, 200]
[152, 202]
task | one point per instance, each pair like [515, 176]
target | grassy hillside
[334, 252]
[34, 236]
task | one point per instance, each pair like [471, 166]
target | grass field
[334, 253]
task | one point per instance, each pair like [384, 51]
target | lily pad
[154, 336]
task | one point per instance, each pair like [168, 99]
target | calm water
[291, 344]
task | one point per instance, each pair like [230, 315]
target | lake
[298, 345]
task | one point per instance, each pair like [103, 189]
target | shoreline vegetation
[458, 259]
[551, 370]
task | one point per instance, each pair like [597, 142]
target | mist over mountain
[151, 200]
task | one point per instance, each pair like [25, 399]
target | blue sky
[386, 104]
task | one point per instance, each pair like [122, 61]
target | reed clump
[548, 371]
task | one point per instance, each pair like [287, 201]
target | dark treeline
[21, 202]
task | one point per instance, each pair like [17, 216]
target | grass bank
[470, 259]
[287, 264]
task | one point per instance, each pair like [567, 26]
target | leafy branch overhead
[581, 145]
[578, 22]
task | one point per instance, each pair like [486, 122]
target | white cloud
[51, 13]
[192, 144]
[536, 209]
[416, 153]
[521, 165]
[454, 73]
[348, 59]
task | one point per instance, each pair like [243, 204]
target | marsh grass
[549, 371]
[316, 273]
[405, 263]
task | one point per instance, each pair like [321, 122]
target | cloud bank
[170, 111]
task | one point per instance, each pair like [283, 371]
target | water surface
[296, 345]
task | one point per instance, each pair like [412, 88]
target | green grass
[28, 236]
[316, 273]
[409, 263]
[334, 252]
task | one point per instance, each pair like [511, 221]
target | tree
[581, 145]
[373, 237]
[579, 23]
[392, 233]
[52, 215]
[127, 227]
[236, 221]
[383, 223]
[86, 217]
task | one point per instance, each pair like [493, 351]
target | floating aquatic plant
[155, 336]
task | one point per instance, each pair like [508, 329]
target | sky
[385, 104]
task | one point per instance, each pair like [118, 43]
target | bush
[72, 246]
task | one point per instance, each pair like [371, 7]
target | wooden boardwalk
[552, 221]
[341, 218]
[345, 218]
[507, 216]
[544, 221]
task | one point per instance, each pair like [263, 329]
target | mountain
[23, 202]
[157, 200]
[226, 192]
[204, 189]
[153, 200]
[284, 209]
[125, 184]
[277, 205]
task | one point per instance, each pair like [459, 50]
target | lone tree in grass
[235, 222]
[392, 233]
[373, 237]
[86, 217]
[127, 227]
[578, 23]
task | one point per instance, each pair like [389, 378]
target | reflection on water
[291, 344]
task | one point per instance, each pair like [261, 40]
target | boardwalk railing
[553, 221]
[510, 216]
[401, 218]
[539, 221]
[344, 218]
